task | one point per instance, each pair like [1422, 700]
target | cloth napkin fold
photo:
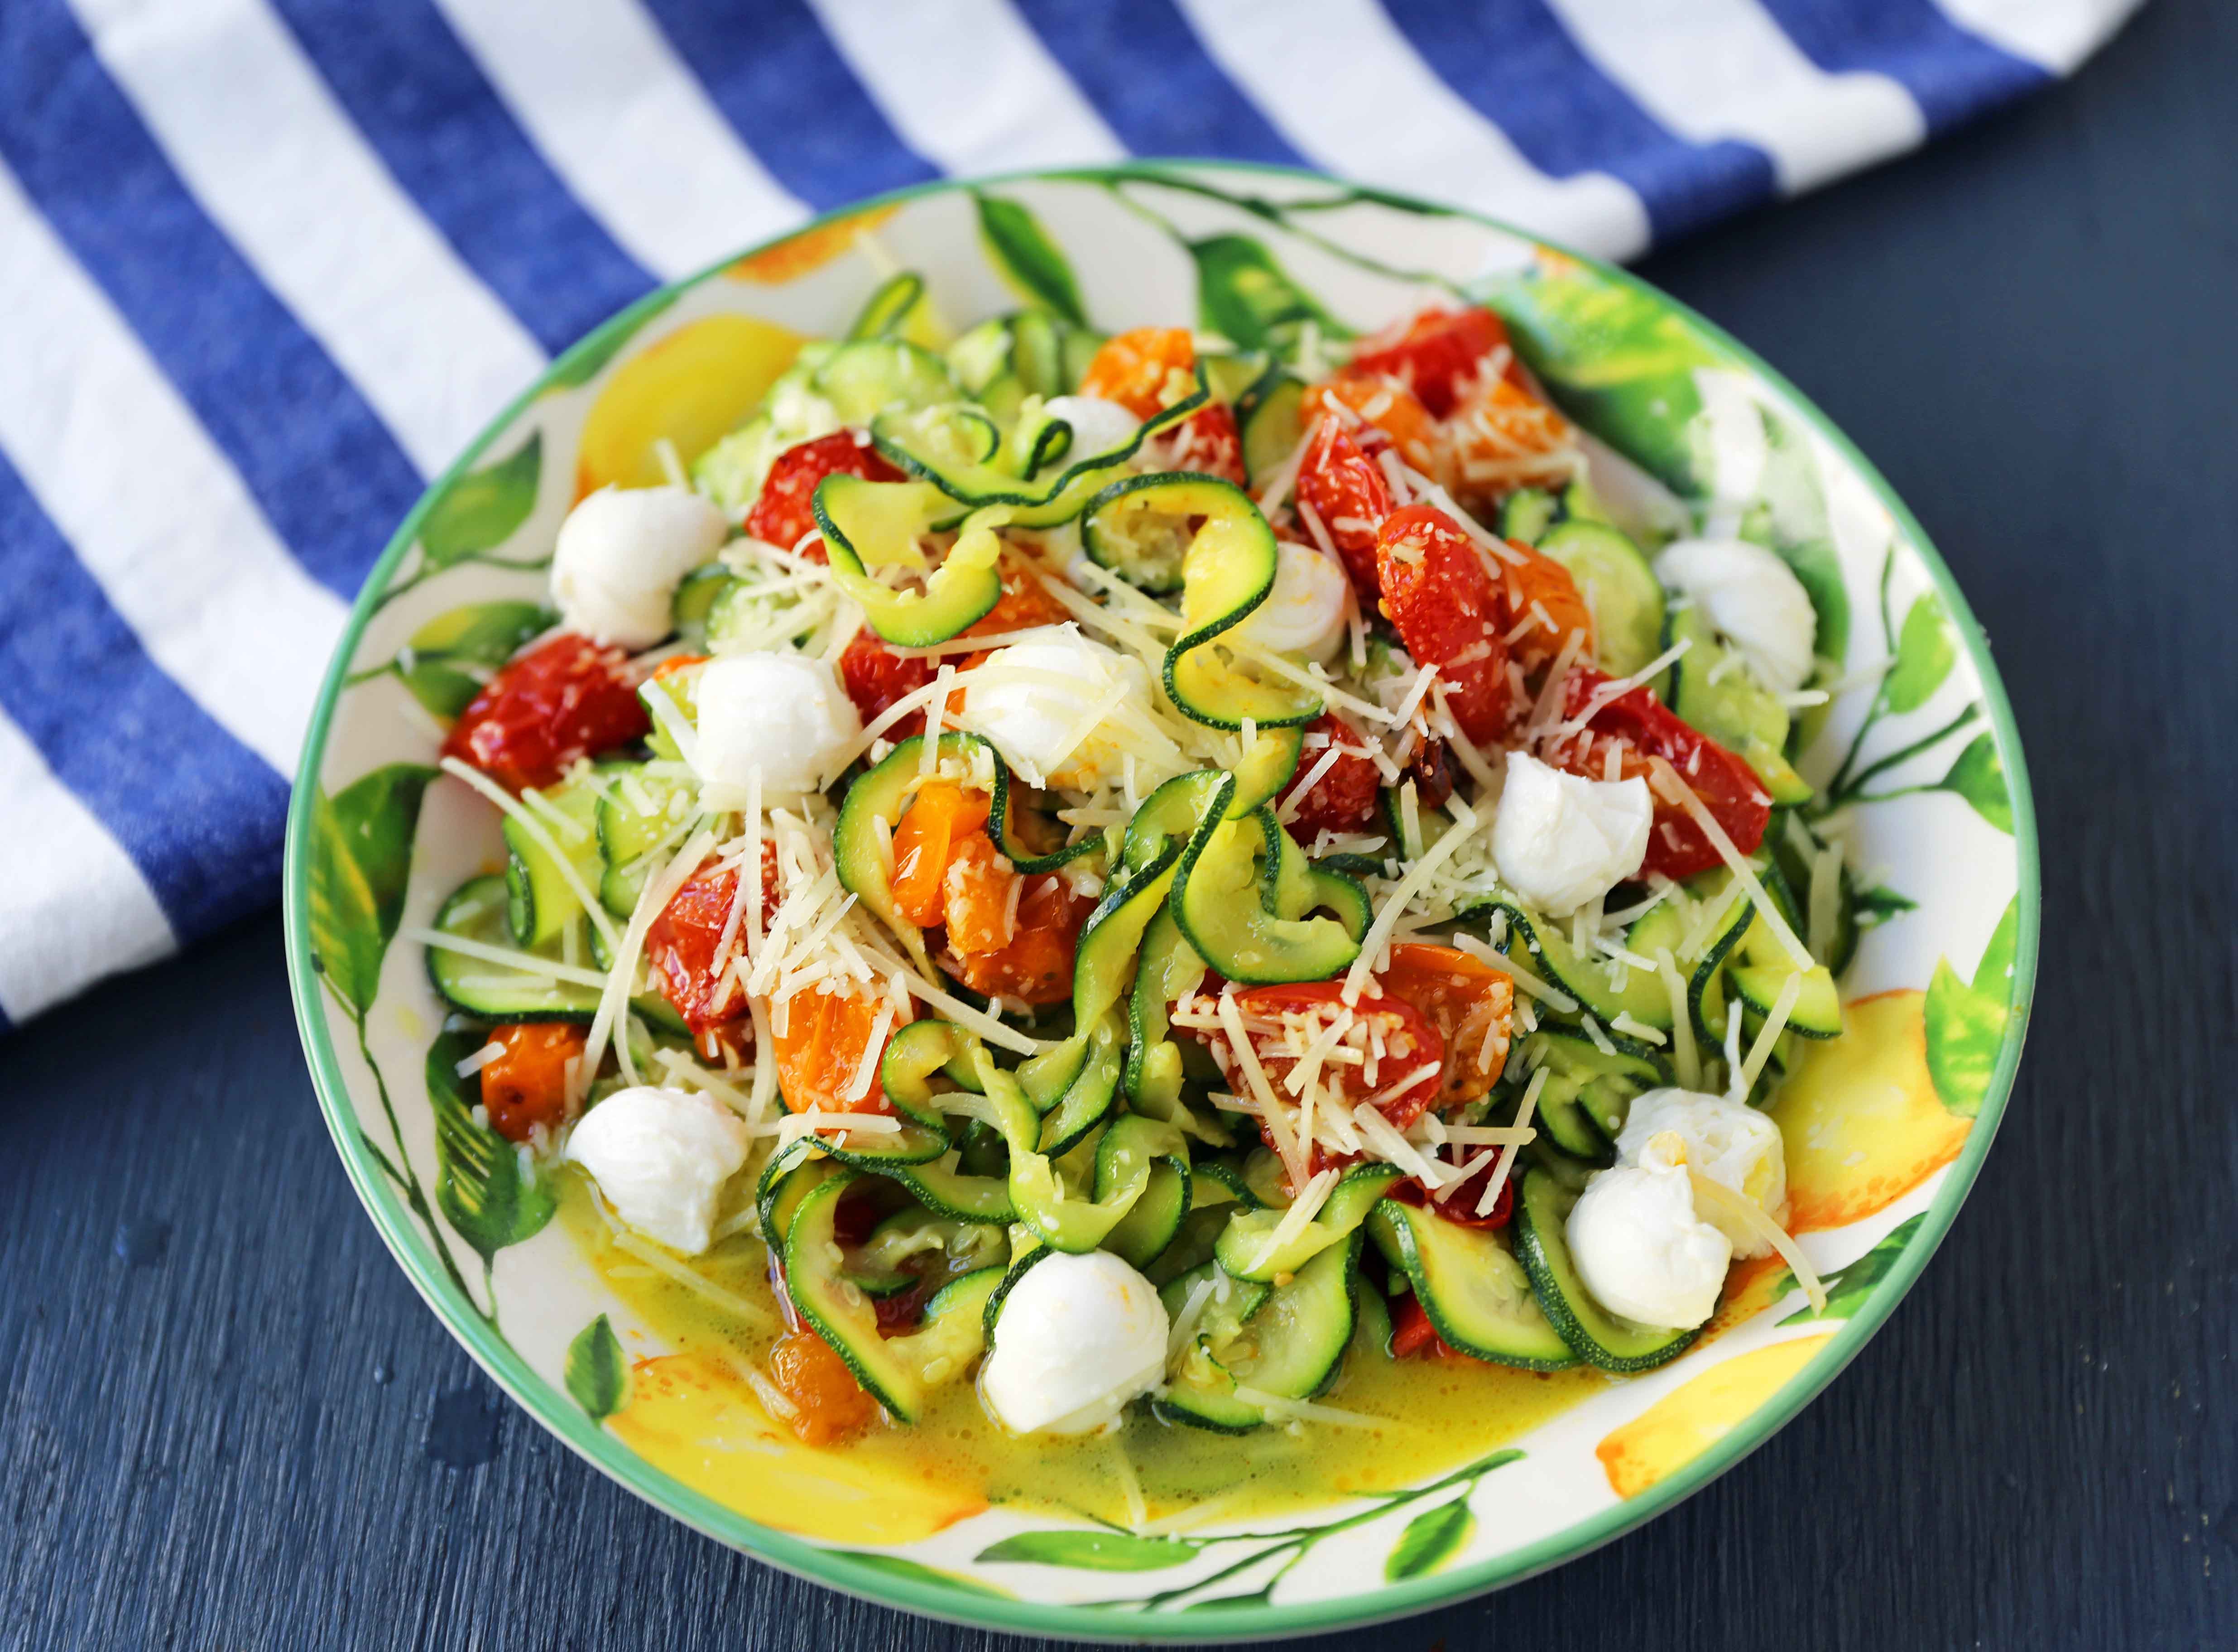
[267, 265]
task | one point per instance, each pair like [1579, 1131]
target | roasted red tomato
[784, 516]
[1389, 1038]
[1347, 491]
[1434, 354]
[1205, 442]
[526, 1084]
[568, 699]
[1342, 795]
[1643, 727]
[681, 945]
[1437, 591]
[875, 676]
[1468, 1001]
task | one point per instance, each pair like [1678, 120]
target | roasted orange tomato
[829, 1404]
[823, 1045]
[526, 1084]
[1143, 370]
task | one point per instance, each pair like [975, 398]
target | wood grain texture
[230, 1424]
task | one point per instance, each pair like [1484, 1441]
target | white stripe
[1345, 88]
[628, 126]
[155, 512]
[2055, 34]
[273, 159]
[968, 85]
[1711, 70]
[73, 907]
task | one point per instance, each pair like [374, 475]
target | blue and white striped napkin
[267, 265]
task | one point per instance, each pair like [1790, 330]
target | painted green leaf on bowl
[1431, 1539]
[489, 1199]
[480, 511]
[360, 860]
[1029, 262]
[1102, 1551]
[597, 1372]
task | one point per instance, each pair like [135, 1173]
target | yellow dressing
[694, 1414]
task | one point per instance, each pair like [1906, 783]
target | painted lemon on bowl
[1470, 1475]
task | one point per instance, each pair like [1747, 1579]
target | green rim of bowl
[959, 1602]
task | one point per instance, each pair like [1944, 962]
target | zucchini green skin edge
[1302, 1332]
[1226, 573]
[1643, 996]
[448, 972]
[880, 794]
[1017, 501]
[893, 1370]
[1478, 1296]
[872, 522]
[1542, 1206]
[1271, 940]
[1356, 1194]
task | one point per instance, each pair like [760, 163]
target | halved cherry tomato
[1389, 410]
[568, 699]
[1501, 437]
[526, 1084]
[1025, 952]
[784, 515]
[1347, 492]
[830, 1404]
[1470, 1003]
[681, 944]
[1437, 591]
[1410, 1042]
[1435, 353]
[1545, 582]
[1411, 1332]
[1643, 727]
[939, 817]
[875, 676]
[1342, 797]
[1138, 369]
[823, 1045]
[1207, 443]
[1430, 766]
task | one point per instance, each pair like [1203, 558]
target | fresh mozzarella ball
[1097, 425]
[781, 712]
[661, 1156]
[1642, 1251]
[1305, 611]
[1032, 716]
[619, 555]
[1729, 1142]
[1754, 600]
[1078, 1336]
[1561, 840]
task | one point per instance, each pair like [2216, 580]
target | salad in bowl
[1169, 926]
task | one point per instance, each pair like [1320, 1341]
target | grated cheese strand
[1748, 1213]
[1677, 791]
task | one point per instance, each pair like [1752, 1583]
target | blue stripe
[1518, 67]
[1952, 75]
[198, 812]
[323, 468]
[422, 102]
[1155, 85]
[784, 86]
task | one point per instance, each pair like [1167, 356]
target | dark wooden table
[230, 1424]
